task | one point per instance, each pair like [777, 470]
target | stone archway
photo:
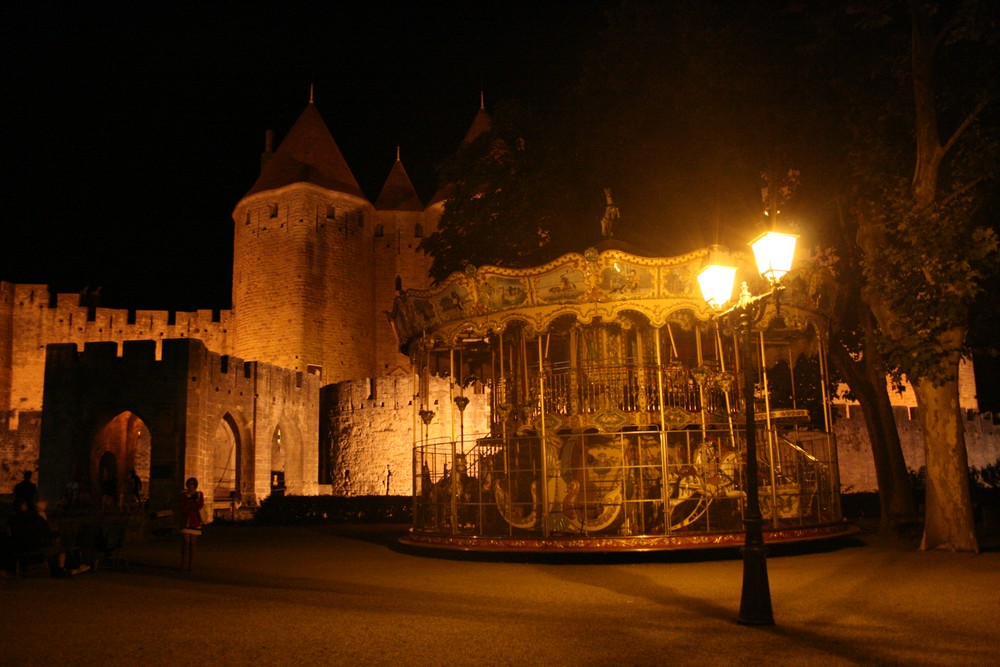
[226, 460]
[120, 446]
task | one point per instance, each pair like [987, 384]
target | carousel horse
[463, 487]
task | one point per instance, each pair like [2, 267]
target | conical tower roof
[398, 193]
[308, 154]
[480, 125]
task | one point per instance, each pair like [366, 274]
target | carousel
[618, 415]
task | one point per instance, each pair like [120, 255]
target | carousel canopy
[587, 286]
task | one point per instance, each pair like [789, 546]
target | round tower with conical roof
[399, 229]
[481, 124]
[303, 265]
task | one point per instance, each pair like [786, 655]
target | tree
[494, 213]
[924, 254]
[855, 354]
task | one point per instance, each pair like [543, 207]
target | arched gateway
[616, 411]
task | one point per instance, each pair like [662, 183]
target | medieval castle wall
[370, 427]
[196, 405]
[303, 285]
[398, 266]
[30, 320]
[857, 469]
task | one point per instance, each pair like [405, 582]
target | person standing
[27, 491]
[192, 500]
[134, 489]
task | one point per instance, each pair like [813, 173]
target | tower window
[379, 231]
[273, 210]
[418, 231]
[331, 212]
[399, 284]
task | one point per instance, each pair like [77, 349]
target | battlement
[32, 317]
[66, 309]
[177, 353]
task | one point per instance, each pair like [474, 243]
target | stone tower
[303, 265]
[399, 229]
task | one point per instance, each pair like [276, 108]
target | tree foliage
[493, 214]
[926, 254]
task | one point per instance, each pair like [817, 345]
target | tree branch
[964, 125]
[962, 190]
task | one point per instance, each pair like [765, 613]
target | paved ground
[350, 596]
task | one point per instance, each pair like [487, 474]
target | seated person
[29, 533]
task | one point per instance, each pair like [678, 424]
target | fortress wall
[19, 450]
[288, 404]
[35, 323]
[857, 469]
[303, 293]
[184, 398]
[258, 399]
[967, 395]
[370, 430]
[6, 349]
[396, 255]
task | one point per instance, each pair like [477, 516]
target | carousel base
[609, 543]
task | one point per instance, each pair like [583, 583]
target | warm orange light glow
[774, 252]
[716, 284]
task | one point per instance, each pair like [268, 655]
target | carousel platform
[607, 543]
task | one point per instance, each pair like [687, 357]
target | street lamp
[773, 252]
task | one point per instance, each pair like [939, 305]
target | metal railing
[626, 484]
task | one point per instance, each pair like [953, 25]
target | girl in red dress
[192, 500]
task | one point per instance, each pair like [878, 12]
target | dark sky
[133, 128]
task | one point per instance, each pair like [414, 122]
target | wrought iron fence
[626, 484]
[595, 388]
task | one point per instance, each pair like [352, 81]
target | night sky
[132, 129]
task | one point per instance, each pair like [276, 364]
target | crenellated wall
[857, 467]
[29, 320]
[192, 402]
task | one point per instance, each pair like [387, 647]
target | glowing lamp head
[774, 252]
[716, 284]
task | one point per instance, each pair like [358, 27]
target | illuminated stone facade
[316, 264]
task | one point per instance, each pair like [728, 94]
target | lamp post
[773, 252]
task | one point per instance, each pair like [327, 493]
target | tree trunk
[896, 502]
[948, 522]
[902, 506]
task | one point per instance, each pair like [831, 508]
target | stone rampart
[30, 320]
[369, 430]
[199, 407]
[857, 467]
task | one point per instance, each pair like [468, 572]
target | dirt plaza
[351, 595]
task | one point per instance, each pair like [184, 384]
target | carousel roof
[610, 285]
[585, 286]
